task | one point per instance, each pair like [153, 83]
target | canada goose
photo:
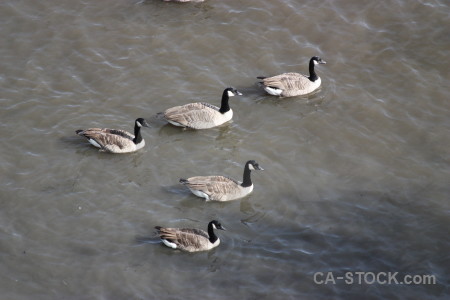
[116, 140]
[293, 84]
[201, 115]
[222, 188]
[190, 240]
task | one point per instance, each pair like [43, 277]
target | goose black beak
[259, 168]
[322, 61]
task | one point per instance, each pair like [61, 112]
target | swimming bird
[222, 188]
[190, 240]
[201, 115]
[116, 140]
[293, 84]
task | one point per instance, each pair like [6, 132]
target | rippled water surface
[356, 175]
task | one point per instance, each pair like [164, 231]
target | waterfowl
[293, 84]
[190, 240]
[116, 140]
[201, 115]
[222, 188]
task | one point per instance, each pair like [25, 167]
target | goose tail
[160, 115]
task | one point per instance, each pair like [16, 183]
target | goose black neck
[212, 236]
[224, 107]
[247, 181]
[137, 134]
[312, 73]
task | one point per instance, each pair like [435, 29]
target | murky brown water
[356, 176]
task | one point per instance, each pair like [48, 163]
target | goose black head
[141, 122]
[253, 165]
[217, 225]
[232, 92]
[317, 60]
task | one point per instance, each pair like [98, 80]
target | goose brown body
[293, 84]
[201, 115]
[115, 140]
[217, 188]
[190, 239]
[197, 115]
[222, 188]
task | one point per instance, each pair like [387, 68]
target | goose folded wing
[184, 237]
[182, 109]
[287, 81]
[190, 239]
[203, 181]
[192, 113]
[93, 131]
[108, 141]
[89, 131]
[198, 232]
[213, 185]
[120, 132]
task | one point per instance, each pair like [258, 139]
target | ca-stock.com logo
[373, 278]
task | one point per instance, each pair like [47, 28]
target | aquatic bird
[190, 240]
[293, 84]
[222, 188]
[201, 115]
[116, 140]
